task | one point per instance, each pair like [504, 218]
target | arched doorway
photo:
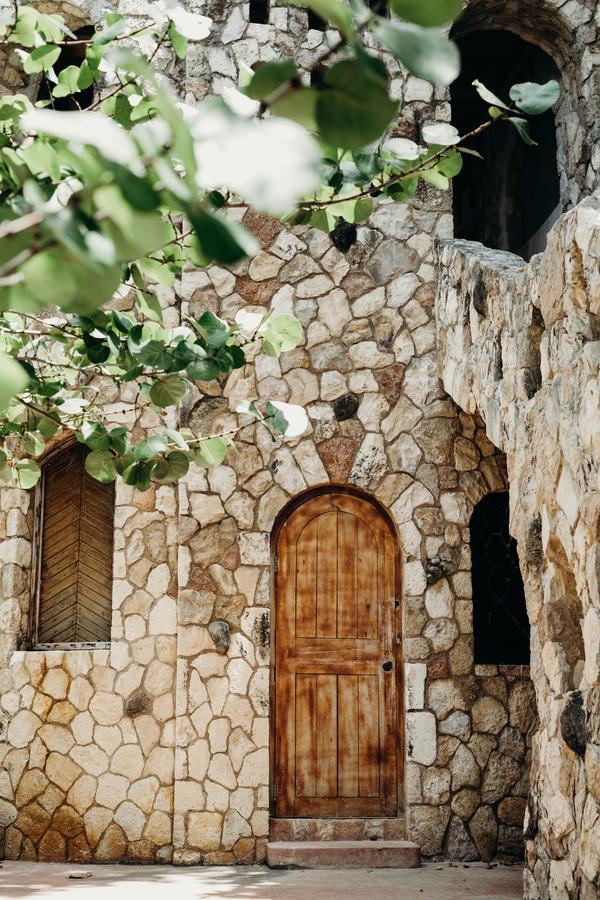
[336, 697]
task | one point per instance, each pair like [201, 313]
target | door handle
[388, 665]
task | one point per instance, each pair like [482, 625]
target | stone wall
[192, 567]
[521, 345]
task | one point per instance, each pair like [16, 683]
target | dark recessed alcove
[509, 199]
[259, 11]
[500, 623]
[71, 55]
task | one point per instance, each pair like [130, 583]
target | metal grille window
[500, 624]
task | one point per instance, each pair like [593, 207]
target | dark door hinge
[276, 565]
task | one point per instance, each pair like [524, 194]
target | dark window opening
[379, 6]
[510, 199]
[259, 11]
[316, 22]
[70, 56]
[500, 623]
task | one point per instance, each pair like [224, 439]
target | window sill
[489, 670]
[72, 645]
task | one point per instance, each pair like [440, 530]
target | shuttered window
[75, 550]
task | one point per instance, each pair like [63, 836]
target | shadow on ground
[431, 882]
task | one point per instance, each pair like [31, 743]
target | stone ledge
[354, 829]
[344, 854]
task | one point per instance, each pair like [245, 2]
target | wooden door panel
[348, 756]
[326, 574]
[306, 735]
[336, 623]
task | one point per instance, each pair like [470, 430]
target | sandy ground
[431, 882]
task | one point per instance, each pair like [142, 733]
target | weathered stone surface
[484, 831]
[428, 826]
[489, 715]
[501, 773]
[459, 844]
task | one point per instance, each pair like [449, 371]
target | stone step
[349, 829]
[343, 854]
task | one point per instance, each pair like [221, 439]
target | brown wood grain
[336, 709]
[76, 550]
[327, 575]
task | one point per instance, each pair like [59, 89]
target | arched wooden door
[337, 644]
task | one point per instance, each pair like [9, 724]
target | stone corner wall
[521, 345]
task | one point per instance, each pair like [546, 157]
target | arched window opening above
[259, 11]
[500, 623]
[74, 553]
[71, 55]
[510, 199]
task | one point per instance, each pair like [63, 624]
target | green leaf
[533, 98]
[427, 12]
[33, 443]
[41, 59]
[299, 105]
[13, 379]
[27, 473]
[268, 76]
[101, 466]
[42, 158]
[24, 32]
[353, 108]
[362, 210]
[47, 426]
[138, 474]
[137, 191]
[277, 420]
[95, 436]
[178, 42]
[134, 233]
[149, 305]
[167, 390]
[401, 191]
[173, 467]
[72, 80]
[451, 164]
[118, 439]
[282, 333]
[440, 133]
[115, 25]
[211, 452]
[425, 52]
[221, 239]
[157, 271]
[333, 11]
[154, 444]
[434, 177]
[487, 96]
[123, 321]
[202, 370]
[153, 354]
[522, 126]
[214, 330]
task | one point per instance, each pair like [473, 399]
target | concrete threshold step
[344, 854]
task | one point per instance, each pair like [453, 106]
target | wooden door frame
[301, 498]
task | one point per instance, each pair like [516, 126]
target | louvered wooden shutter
[75, 576]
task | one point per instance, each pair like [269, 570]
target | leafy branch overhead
[112, 202]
